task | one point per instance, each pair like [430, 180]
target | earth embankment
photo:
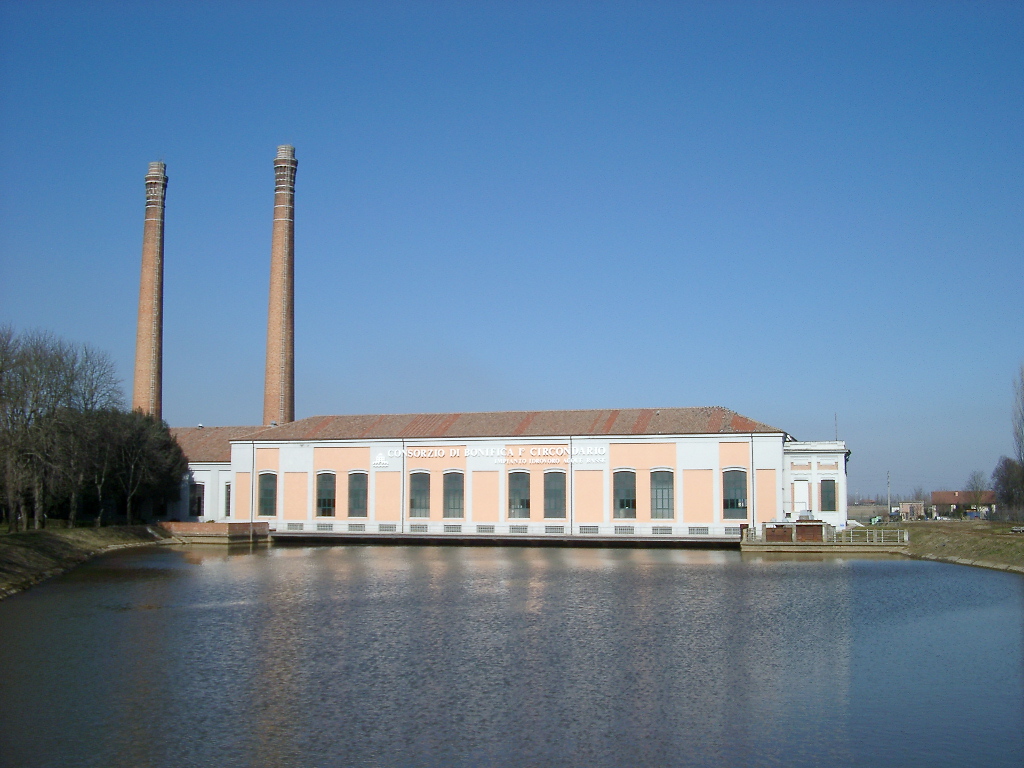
[28, 557]
[969, 542]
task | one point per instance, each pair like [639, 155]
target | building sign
[553, 455]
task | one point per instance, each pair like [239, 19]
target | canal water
[459, 656]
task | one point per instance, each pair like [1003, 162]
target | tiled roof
[962, 497]
[211, 443]
[626, 422]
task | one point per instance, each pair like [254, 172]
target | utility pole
[888, 498]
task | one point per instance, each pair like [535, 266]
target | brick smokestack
[147, 393]
[279, 384]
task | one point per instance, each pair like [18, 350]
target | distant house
[950, 503]
[911, 510]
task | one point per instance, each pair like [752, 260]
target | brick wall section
[279, 384]
[147, 392]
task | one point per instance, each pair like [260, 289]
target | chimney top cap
[286, 152]
[157, 168]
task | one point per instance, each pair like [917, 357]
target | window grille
[268, 495]
[453, 529]
[356, 527]
[294, 526]
[387, 528]
[554, 529]
[624, 486]
[589, 529]
[734, 494]
[698, 530]
[519, 495]
[662, 496]
[624, 529]
[325, 526]
[519, 529]
[732, 530]
[661, 530]
[453, 494]
[419, 494]
[358, 485]
[554, 494]
[414, 528]
[326, 483]
[485, 529]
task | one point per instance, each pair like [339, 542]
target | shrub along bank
[29, 557]
[970, 542]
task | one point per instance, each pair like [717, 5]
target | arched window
[358, 491]
[325, 494]
[662, 495]
[624, 486]
[268, 495]
[519, 495]
[734, 494]
[454, 495]
[554, 494]
[419, 494]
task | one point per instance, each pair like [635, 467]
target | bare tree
[977, 485]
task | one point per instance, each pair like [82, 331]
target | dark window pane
[325, 494]
[268, 495]
[519, 495]
[662, 496]
[196, 499]
[624, 484]
[227, 500]
[358, 485]
[554, 494]
[419, 494]
[734, 494]
[828, 495]
[453, 494]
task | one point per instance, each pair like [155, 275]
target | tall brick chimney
[279, 384]
[147, 393]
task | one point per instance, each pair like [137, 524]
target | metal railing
[869, 536]
[849, 536]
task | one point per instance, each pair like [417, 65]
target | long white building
[673, 472]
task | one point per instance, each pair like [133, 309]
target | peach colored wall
[340, 461]
[699, 495]
[436, 467]
[588, 490]
[766, 499]
[388, 496]
[240, 494]
[296, 493]
[641, 457]
[485, 497]
[734, 455]
[267, 458]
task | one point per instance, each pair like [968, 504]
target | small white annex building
[674, 472]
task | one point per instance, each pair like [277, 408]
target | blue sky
[802, 211]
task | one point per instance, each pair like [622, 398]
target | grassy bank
[970, 542]
[31, 556]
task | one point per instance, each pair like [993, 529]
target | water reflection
[455, 656]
